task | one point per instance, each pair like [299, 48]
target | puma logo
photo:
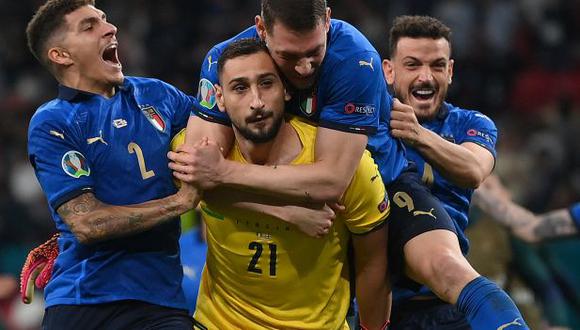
[209, 61]
[429, 213]
[374, 178]
[514, 322]
[57, 134]
[365, 63]
[97, 139]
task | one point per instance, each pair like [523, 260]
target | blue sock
[486, 306]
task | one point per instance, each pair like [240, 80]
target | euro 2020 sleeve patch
[75, 164]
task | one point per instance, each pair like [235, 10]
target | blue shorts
[408, 221]
[427, 314]
[119, 315]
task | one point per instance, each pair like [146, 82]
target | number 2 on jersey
[134, 148]
[258, 247]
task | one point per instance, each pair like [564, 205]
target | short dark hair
[241, 47]
[46, 21]
[417, 27]
[297, 15]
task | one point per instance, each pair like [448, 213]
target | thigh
[414, 211]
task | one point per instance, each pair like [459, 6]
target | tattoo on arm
[502, 211]
[91, 220]
[555, 224]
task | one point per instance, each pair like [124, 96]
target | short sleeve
[479, 129]
[182, 104]
[206, 106]
[353, 92]
[366, 200]
[575, 213]
[60, 165]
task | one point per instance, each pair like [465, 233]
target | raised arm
[92, 221]
[466, 164]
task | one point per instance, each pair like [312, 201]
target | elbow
[472, 179]
[331, 192]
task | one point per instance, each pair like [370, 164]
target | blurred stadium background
[516, 61]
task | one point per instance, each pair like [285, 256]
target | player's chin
[424, 109]
[116, 78]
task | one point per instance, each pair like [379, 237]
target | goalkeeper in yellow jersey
[262, 273]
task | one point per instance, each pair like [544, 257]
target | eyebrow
[434, 61]
[307, 52]
[246, 79]
[91, 20]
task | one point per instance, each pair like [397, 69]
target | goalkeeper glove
[37, 268]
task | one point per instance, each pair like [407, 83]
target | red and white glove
[37, 268]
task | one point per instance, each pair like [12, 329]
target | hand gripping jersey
[350, 94]
[266, 274]
[115, 148]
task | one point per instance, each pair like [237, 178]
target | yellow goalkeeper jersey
[266, 274]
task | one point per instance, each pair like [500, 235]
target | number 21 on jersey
[258, 247]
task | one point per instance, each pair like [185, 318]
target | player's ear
[287, 96]
[327, 20]
[260, 27]
[450, 72]
[219, 97]
[59, 55]
[388, 71]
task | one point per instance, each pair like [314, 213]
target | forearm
[372, 282]
[92, 221]
[455, 162]
[314, 220]
[554, 224]
[298, 183]
[234, 203]
[501, 210]
[337, 155]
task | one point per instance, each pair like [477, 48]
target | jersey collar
[72, 94]
[443, 111]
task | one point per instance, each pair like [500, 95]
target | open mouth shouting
[423, 93]
[111, 57]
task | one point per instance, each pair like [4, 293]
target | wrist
[228, 173]
[185, 199]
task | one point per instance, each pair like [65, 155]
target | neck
[81, 83]
[281, 150]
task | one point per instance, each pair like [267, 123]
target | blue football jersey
[350, 94]
[115, 148]
[575, 212]
[458, 126]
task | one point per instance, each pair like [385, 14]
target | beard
[261, 135]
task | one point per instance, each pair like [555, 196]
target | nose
[257, 102]
[111, 29]
[304, 67]
[425, 74]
